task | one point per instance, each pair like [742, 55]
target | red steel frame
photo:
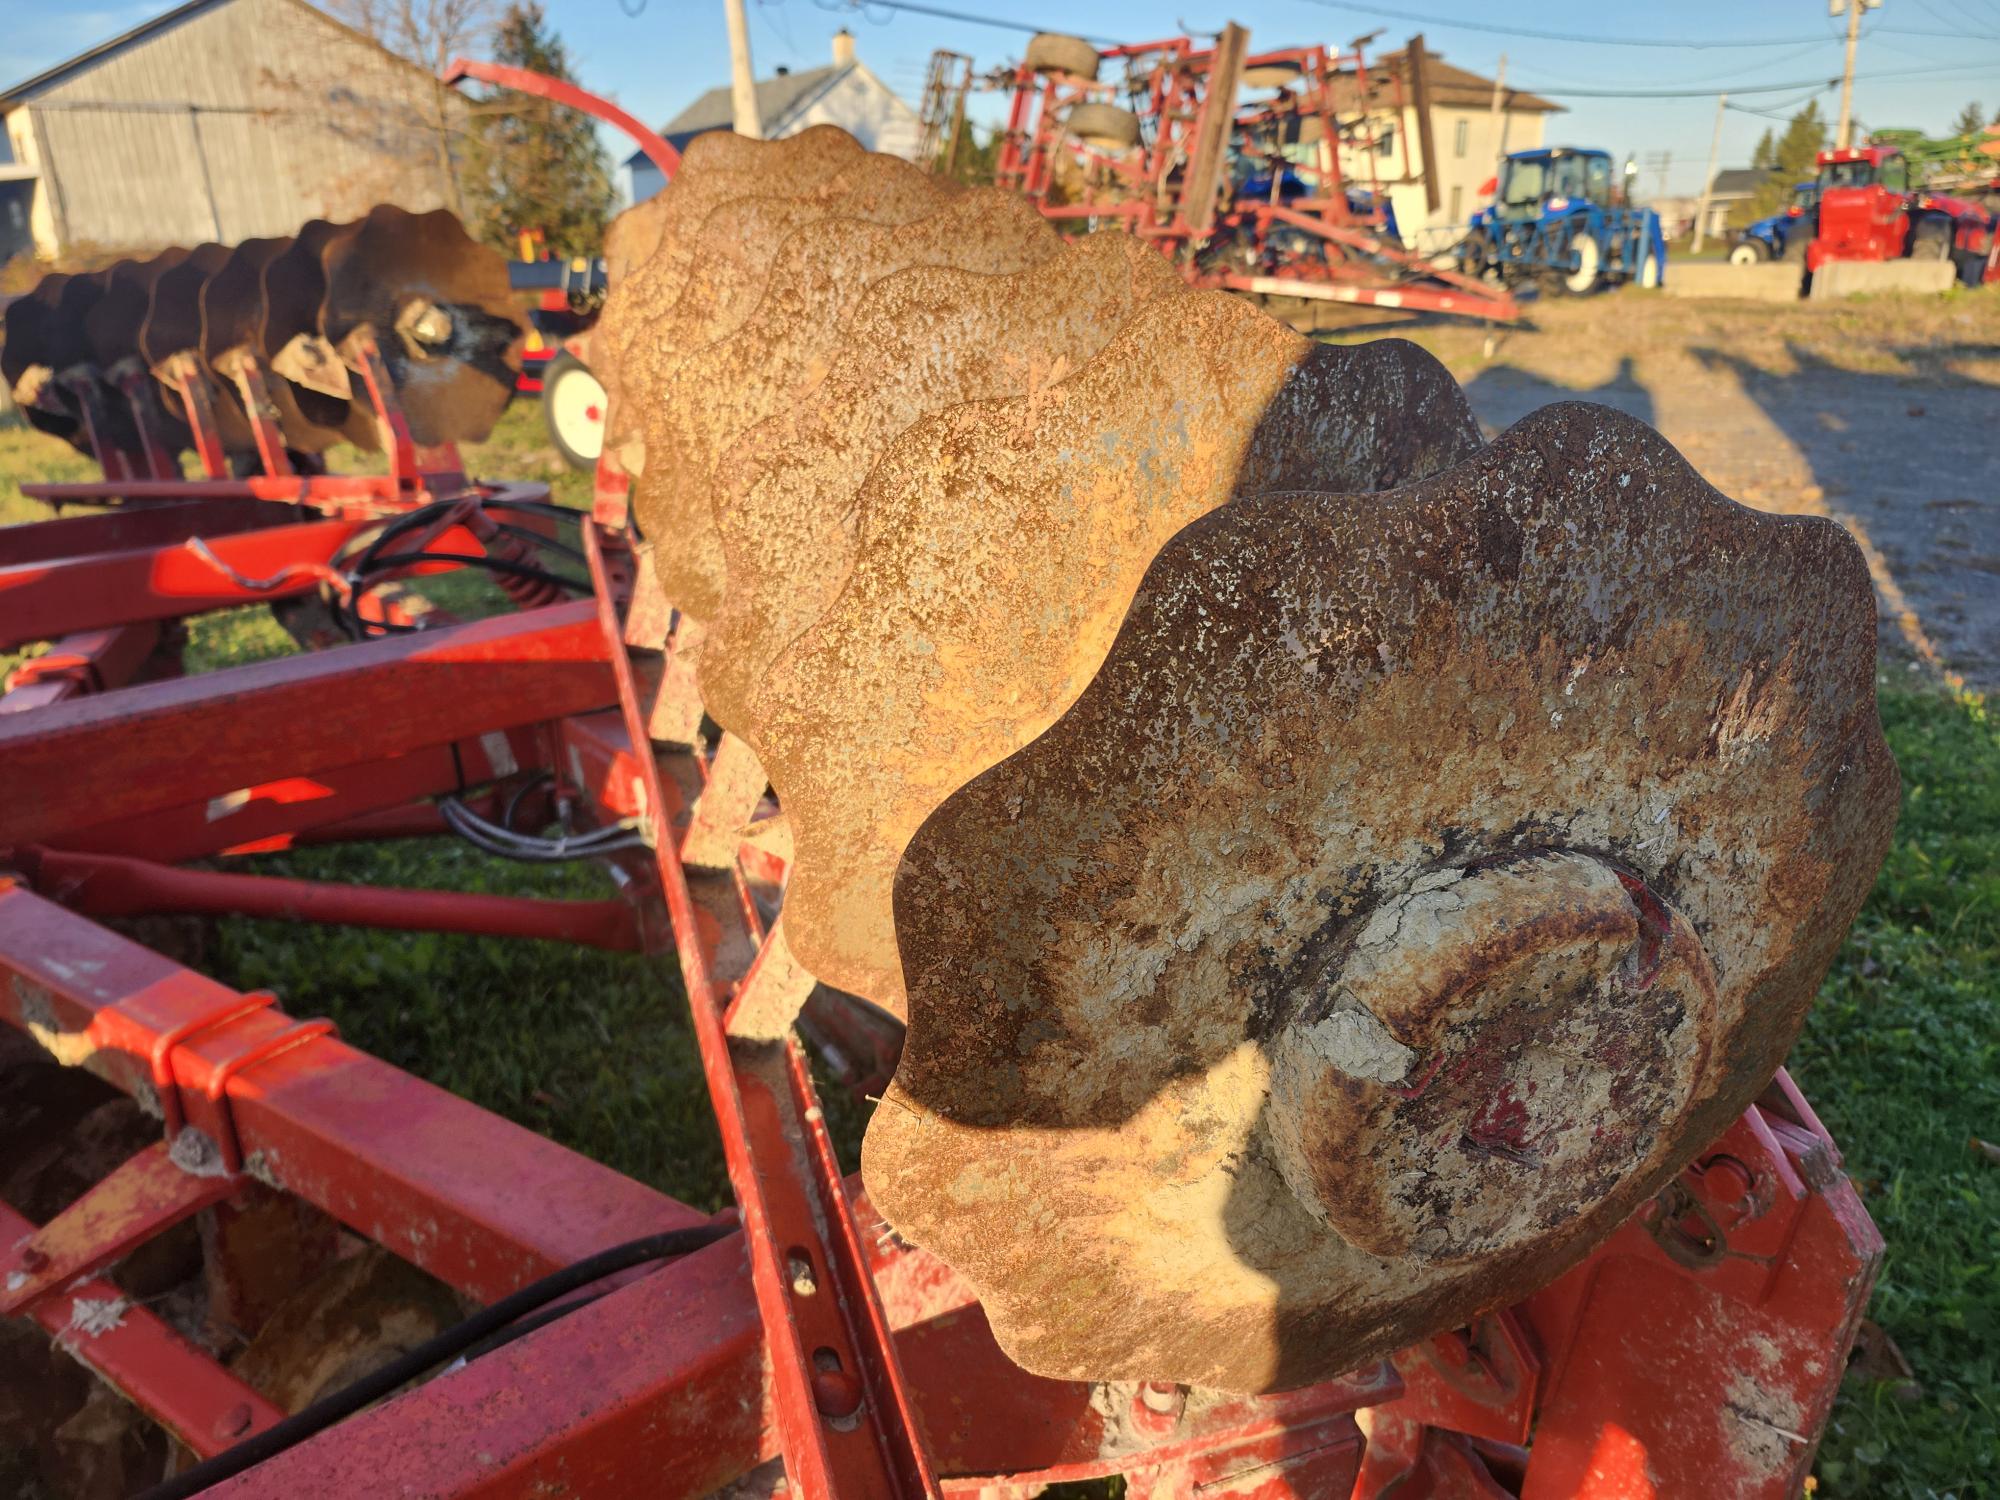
[1695, 1353]
[1169, 84]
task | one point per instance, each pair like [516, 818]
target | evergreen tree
[1793, 161]
[536, 166]
[1970, 119]
[1765, 156]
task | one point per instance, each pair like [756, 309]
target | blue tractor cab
[1559, 216]
[1782, 236]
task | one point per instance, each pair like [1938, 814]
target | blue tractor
[1782, 236]
[1557, 218]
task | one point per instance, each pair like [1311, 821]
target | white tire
[1649, 270]
[1746, 254]
[573, 408]
[1052, 52]
[1589, 262]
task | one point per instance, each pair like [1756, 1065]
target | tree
[1970, 120]
[1765, 156]
[535, 165]
[1793, 161]
[429, 33]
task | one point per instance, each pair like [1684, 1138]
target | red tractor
[1869, 209]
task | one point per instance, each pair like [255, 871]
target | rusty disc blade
[1422, 879]
[924, 335]
[293, 287]
[232, 311]
[442, 314]
[172, 332]
[113, 325]
[29, 346]
[979, 605]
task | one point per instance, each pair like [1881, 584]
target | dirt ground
[1883, 413]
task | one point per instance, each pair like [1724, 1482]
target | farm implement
[1319, 899]
[1231, 163]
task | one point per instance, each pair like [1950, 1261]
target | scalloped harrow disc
[918, 340]
[172, 335]
[441, 311]
[729, 257]
[1000, 544]
[1422, 879]
[232, 302]
[314, 392]
[26, 360]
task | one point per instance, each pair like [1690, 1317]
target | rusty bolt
[34, 1261]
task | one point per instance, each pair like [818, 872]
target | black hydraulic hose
[454, 1341]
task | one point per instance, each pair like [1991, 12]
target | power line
[959, 15]
[1538, 34]
[1815, 84]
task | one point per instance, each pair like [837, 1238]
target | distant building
[220, 120]
[1731, 187]
[1468, 138]
[844, 93]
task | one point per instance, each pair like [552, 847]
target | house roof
[49, 77]
[1738, 181]
[778, 98]
[1457, 87]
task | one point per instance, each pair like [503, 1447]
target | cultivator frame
[1173, 189]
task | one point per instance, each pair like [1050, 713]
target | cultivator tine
[1472, 853]
[439, 309]
[1339, 870]
[313, 395]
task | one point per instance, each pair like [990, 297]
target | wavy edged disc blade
[839, 387]
[172, 332]
[293, 287]
[113, 326]
[1000, 545]
[442, 313]
[232, 303]
[1421, 881]
[29, 345]
[731, 253]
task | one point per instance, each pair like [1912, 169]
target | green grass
[1901, 1058]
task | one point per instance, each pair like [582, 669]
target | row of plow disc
[434, 302]
[1335, 868]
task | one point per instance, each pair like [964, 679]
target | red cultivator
[1245, 193]
[1673, 1328]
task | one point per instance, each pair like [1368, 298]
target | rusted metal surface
[1421, 881]
[994, 567]
[439, 308]
[313, 397]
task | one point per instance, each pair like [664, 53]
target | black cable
[482, 1325]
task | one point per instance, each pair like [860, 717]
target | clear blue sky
[1920, 60]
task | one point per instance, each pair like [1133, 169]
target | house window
[1458, 139]
[1457, 203]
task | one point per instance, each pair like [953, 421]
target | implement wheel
[1052, 52]
[1104, 126]
[573, 408]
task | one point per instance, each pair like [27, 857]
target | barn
[220, 120]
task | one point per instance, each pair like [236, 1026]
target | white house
[1468, 134]
[844, 93]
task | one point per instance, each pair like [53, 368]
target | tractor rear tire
[1750, 253]
[1052, 52]
[1930, 240]
[1104, 126]
[1589, 266]
[573, 410]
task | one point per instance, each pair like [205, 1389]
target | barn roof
[27, 88]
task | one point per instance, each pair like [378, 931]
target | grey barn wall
[294, 118]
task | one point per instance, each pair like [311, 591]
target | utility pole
[1493, 126]
[1708, 182]
[742, 81]
[1844, 136]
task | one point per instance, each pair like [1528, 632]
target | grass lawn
[1901, 1057]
